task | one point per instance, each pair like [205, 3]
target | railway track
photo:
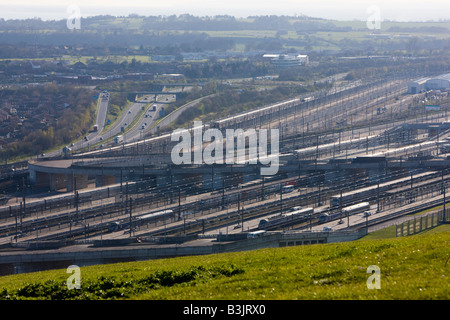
[400, 213]
[31, 225]
[118, 211]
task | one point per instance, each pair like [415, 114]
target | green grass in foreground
[415, 267]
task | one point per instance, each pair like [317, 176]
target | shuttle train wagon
[370, 193]
[286, 219]
[350, 210]
[356, 208]
[151, 217]
[140, 220]
[252, 114]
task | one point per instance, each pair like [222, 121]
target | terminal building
[287, 61]
[441, 82]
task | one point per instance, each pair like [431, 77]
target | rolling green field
[415, 267]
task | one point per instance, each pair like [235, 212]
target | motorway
[121, 125]
[147, 120]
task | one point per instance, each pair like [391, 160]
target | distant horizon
[57, 17]
[346, 10]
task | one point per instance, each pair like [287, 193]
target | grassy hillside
[415, 267]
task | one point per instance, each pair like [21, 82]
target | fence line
[421, 223]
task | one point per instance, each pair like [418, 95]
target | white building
[287, 61]
[441, 82]
[417, 86]
[303, 58]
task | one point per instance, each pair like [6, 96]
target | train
[356, 208]
[324, 148]
[370, 193]
[411, 150]
[155, 215]
[294, 216]
[226, 122]
[139, 220]
[347, 211]
[256, 234]
[287, 189]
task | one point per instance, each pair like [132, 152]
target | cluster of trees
[184, 31]
[225, 69]
[172, 22]
[421, 29]
[211, 68]
[68, 119]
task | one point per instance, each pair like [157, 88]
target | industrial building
[417, 86]
[287, 61]
[441, 82]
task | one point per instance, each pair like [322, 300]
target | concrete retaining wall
[28, 261]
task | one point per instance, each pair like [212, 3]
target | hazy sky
[400, 10]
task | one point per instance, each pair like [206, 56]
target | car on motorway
[327, 229]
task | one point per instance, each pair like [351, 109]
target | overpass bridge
[73, 174]
[138, 94]
[158, 89]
